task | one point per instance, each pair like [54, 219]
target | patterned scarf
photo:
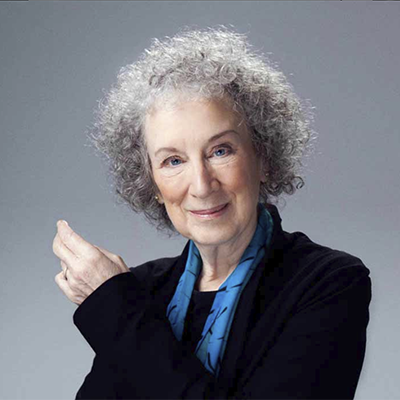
[211, 346]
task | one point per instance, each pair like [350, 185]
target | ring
[65, 273]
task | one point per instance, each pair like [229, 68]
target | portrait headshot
[199, 200]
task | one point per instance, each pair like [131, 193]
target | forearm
[137, 354]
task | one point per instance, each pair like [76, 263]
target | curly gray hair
[208, 63]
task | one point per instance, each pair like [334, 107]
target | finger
[64, 286]
[79, 246]
[114, 258]
[111, 256]
[78, 286]
[63, 266]
[62, 251]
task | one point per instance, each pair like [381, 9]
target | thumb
[113, 257]
[107, 253]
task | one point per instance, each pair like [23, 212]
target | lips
[209, 210]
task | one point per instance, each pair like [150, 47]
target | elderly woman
[202, 133]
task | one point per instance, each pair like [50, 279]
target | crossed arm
[318, 354]
[137, 355]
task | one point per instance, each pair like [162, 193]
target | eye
[222, 151]
[172, 162]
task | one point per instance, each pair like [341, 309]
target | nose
[203, 180]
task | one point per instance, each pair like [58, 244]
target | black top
[196, 317]
[298, 332]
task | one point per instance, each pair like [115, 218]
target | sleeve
[318, 354]
[137, 354]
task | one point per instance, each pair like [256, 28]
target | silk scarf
[211, 346]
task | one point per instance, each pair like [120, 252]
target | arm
[137, 355]
[318, 354]
[129, 332]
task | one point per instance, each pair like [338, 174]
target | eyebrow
[212, 139]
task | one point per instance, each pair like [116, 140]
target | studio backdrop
[57, 59]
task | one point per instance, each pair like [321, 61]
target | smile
[211, 213]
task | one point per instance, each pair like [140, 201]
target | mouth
[210, 211]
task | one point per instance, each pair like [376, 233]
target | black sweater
[299, 330]
[198, 310]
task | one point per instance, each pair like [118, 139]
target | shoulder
[317, 259]
[302, 257]
[319, 272]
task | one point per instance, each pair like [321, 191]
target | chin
[209, 238]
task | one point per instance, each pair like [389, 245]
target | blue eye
[175, 161]
[172, 161]
[220, 152]
[223, 151]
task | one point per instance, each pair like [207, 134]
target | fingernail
[62, 221]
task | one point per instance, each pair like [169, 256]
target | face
[206, 171]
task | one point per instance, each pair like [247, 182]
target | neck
[221, 260]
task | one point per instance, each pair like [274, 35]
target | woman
[202, 133]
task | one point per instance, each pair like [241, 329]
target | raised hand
[84, 266]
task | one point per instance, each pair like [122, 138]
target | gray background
[57, 59]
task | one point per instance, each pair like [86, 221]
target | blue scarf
[211, 346]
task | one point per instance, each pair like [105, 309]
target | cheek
[241, 179]
[171, 190]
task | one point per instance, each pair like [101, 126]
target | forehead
[190, 118]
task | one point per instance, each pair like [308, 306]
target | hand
[84, 266]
